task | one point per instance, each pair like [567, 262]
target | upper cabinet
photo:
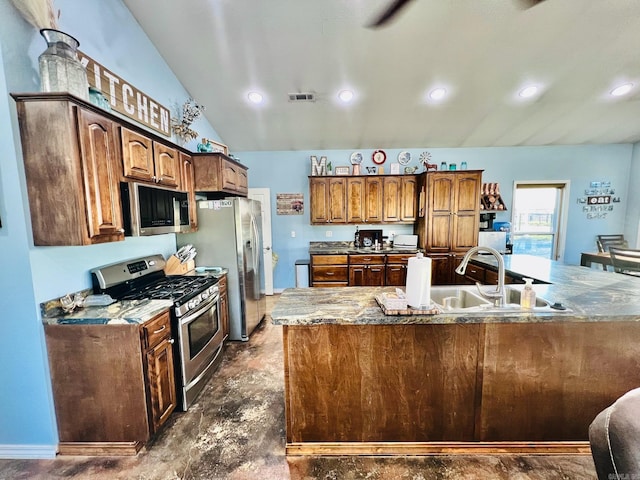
[217, 173]
[72, 166]
[450, 222]
[149, 161]
[187, 180]
[328, 199]
[363, 199]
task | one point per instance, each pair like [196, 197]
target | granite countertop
[591, 295]
[346, 248]
[123, 312]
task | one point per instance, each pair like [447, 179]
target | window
[538, 221]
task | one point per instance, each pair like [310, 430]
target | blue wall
[287, 172]
[30, 275]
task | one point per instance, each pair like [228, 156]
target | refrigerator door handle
[255, 258]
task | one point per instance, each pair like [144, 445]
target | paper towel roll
[419, 282]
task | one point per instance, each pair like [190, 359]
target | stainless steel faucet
[499, 296]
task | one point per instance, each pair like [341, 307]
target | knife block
[174, 267]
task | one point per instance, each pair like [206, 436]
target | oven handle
[205, 306]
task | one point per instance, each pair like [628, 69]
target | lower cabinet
[113, 385]
[224, 305]
[366, 270]
[329, 270]
[396, 269]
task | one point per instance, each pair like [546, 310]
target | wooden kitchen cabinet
[71, 158]
[223, 314]
[364, 199]
[149, 161]
[113, 385]
[448, 219]
[328, 199]
[187, 182]
[399, 195]
[329, 270]
[396, 269]
[366, 270]
[217, 173]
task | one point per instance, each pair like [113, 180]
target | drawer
[156, 329]
[366, 259]
[476, 273]
[329, 260]
[491, 277]
[399, 258]
[333, 273]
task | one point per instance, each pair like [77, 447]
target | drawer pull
[161, 329]
[330, 273]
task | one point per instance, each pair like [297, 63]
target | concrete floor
[235, 431]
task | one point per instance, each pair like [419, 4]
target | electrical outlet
[293, 234]
[328, 233]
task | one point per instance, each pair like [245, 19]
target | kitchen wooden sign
[125, 98]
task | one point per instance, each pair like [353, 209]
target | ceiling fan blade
[525, 4]
[394, 7]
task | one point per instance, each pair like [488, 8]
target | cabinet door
[243, 181]
[441, 271]
[229, 176]
[375, 275]
[319, 200]
[440, 212]
[466, 214]
[408, 199]
[357, 275]
[373, 199]
[187, 184]
[100, 177]
[338, 200]
[161, 381]
[167, 169]
[356, 200]
[396, 275]
[392, 195]
[137, 155]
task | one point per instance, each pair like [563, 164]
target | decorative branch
[181, 127]
[39, 13]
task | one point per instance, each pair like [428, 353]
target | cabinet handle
[329, 273]
[161, 329]
[121, 230]
[171, 340]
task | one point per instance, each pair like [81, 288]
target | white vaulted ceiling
[481, 51]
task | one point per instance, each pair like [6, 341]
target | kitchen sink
[458, 298]
[467, 299]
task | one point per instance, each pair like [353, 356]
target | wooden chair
[606, 241]
[625, 260]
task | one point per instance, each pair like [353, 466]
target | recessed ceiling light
[345, 96]
[622, 90]
[438, 93]
[255, 97]
[528, 92]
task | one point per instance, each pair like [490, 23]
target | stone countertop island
[361, 382]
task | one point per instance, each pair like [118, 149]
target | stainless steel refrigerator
[230, 235]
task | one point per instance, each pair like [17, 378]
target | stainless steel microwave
[152, 210]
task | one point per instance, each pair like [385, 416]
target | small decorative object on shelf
[318, 168]
[443, 165]
[342, 170]
[60, 68]
[378, 157]
[452, 166]
[182, 127]
[97, 98]
[372, 170]
[490, 198]
[205, 146]
[463, 166]
[425, 158]
[404, 158]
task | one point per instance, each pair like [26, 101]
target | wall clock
[379, 157]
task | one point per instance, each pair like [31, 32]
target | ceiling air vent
[302, 97]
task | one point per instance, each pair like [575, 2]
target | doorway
[539, 218]
[264, 196]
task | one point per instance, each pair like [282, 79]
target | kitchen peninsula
[361, 382]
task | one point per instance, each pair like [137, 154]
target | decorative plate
[404, 158]
[356, 158]
[379, 157]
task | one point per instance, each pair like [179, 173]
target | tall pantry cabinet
[448, 219]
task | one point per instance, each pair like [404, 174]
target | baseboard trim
[17, 452]
[437, 448]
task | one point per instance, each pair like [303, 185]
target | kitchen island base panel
[437, 448]
[98, 449]
[364, 388]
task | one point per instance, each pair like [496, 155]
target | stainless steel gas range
[195, 321]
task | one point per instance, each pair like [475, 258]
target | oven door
[201, 339]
